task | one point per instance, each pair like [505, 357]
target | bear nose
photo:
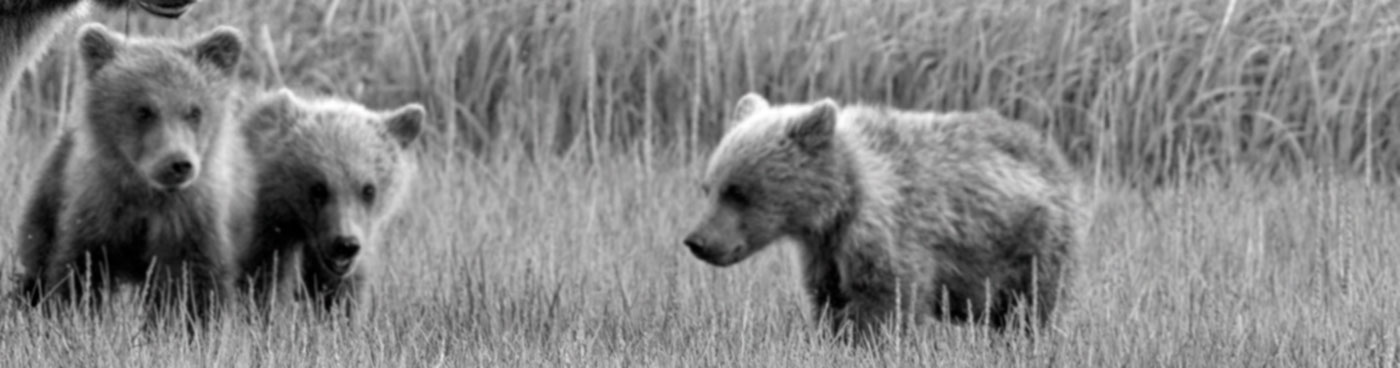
[345, 246]
[181, 168]
[694, 243]
[176, 173]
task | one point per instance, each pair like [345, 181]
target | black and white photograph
[699, 183]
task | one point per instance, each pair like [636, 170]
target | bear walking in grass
[27, 27]
[332, 172]
[965, 216]
[141, 187]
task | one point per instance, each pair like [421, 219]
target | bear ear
[406, 123]
[271, 117]
[747, 106]
[815, 129]
[221, 48]
[97, 46]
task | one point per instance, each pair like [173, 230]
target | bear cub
[138, 190]
[963, 216]
[331, 174]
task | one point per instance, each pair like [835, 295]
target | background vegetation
[1148, 91]
[560, 174]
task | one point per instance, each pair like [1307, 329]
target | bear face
[158, 105]
[776, 173]
[331, 172]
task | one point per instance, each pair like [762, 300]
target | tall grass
[1137, 90]
[560, 172]
[558, 262]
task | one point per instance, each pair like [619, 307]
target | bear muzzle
[174, 173]
[709, 252]
[166, 8]
[342, 252]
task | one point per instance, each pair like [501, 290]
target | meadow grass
[560, 175]
[563, 263]
[1151, 91]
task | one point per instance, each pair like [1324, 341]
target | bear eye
[368, 192]
[144, 115]
[732, 194]
[194, 115]
[319, 193]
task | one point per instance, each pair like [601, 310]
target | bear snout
[709, 251]
[345, 247]
[166, 8]
[695, 243]
[175, 172]
[338, 253]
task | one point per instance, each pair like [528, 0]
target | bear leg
[38, 225]
[192, 286]
[80, 276]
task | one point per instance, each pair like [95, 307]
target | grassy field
[562, 263]
[561, 174]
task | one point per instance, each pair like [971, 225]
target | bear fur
[963, 216]
[144, 186]
[28, 26]
[331, 174]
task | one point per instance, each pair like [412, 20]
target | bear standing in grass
[139, 189]
[27, 27]
[964, 215]
[332, 172]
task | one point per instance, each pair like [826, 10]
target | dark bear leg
[189, 273]
[1029, 298]
[75, 280]
[39, 222]
[192, 287]
[331, 293]
[865, 320]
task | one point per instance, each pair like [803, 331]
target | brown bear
[141, 187]
[331, 174]
[27, 27]
[963, 216]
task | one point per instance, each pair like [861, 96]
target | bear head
[158, 105]
[331, 171]
[778, 172]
